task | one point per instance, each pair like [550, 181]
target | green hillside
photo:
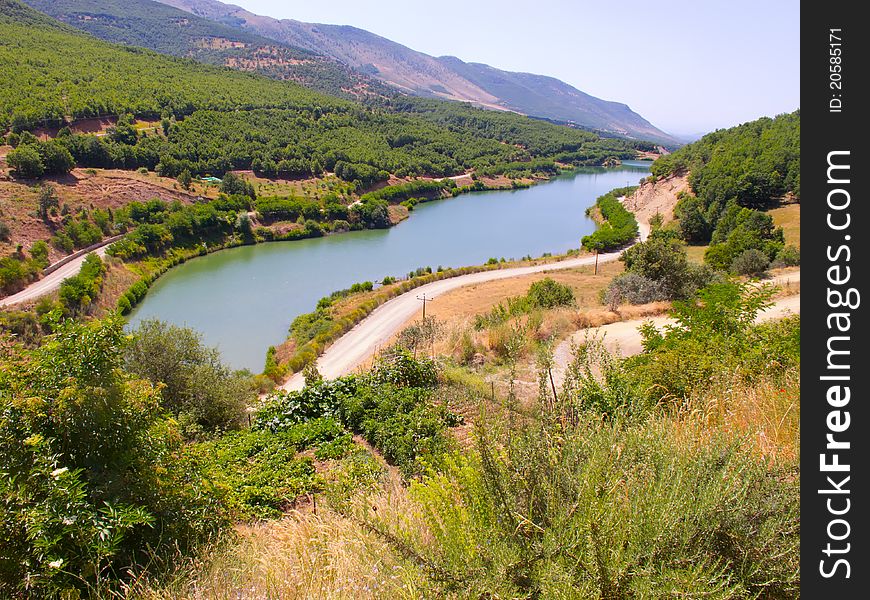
[51, 72]
[171, 31]
[217, 119]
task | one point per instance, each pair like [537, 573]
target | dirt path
[51, 282]
[361, 342]
[625, 336]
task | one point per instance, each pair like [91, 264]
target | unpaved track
[625, 337]
[51, 282]
[361, 342]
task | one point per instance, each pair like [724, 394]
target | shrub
[77, 292]
[195, 382]
[634, 288]
[26, 162]
[789, 256]
[90, 484]
[549, 293]
[592, 509]
[749, 262]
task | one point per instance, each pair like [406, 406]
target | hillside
[446, 77]
[167, 30]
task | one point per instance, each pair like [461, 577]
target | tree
[56, 158]
[46, 200]
[233, 185]
[26, 162]
[185, 179]
[90, 480]
[664, 260]
[203, 392]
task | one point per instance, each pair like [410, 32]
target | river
[243, 299]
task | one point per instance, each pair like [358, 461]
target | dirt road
[625, 337]
[52, 281]
[361, 342]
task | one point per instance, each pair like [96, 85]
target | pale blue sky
[686, 66]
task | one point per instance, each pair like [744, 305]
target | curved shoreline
[364, 339]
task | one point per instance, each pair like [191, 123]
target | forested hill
[736, 175]
[446, 77]
[217, 119]
[52, 71]
[752, 163]
[168, 30]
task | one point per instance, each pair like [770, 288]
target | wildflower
[55, 564]
[58, 472]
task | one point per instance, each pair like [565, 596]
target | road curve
[361, 342]
[624, 335]
[52, 281]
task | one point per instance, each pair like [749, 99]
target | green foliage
[233, 185]
[619, 228]
[413, 189]
[89, 479]
[195, 385]
[549, 293]
[596, 509]
[750, 262]
[185, 179]
[262, 471]
[752, 163]
[662, 260]
[168, 30]
[714, 334]
[740, 230]
[77, 292]
[392, 407]
[789, 256]
[26, 162]
[16, 271]
[634, 288]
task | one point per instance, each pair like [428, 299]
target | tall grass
[303, 556]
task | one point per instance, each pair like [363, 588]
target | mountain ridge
[442, 77]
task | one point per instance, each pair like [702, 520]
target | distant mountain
[445, 77]
[169, 30]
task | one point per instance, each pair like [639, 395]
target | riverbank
[244, 299]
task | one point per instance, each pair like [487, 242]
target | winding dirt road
[364, 340]
[624, 335]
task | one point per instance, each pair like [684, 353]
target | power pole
[424, 300]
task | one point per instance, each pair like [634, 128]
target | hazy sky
[686, 66]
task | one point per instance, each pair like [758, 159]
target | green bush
[750, 262]
[195, 382]
[549, 293]
[789, 256]
[90, 483]
[593, 509]
[77, 292]
[620, 226]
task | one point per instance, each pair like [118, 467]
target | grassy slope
[51, 70]
[171, 31]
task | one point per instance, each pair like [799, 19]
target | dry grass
[765, 413]
[471, 300]
[788, 216]
[303, 556]
[696, 254]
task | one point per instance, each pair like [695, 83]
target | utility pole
[424, 300]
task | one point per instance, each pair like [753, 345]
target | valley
[291, 310]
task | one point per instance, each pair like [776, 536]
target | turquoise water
[243, 300]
